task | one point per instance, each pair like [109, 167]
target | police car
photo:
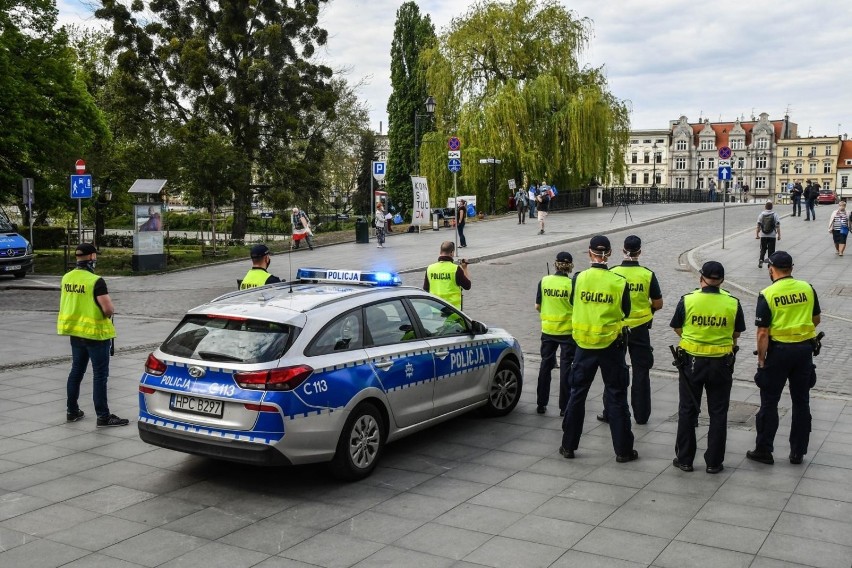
[330, 367]
[16, 253]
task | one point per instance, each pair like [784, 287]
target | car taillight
[146, 390]
[154, 366]
[283, 379]
[260, 407]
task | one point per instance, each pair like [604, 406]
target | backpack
[767, 223]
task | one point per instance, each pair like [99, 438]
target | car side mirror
[478, 328]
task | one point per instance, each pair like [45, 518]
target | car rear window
[228, 340]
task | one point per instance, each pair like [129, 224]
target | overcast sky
[666, 58]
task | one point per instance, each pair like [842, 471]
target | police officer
[551, 301]
[600, 301]
[787, 315]
[445, 279]
[85, 309]
[708, 320]
[645, 299]
[258, 274]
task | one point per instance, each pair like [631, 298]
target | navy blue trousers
[785, 362]
[549, 345]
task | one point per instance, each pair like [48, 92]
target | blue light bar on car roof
[364, 277]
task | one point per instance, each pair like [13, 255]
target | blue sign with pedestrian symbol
[81, 187]
[455, 165]
[725, 173]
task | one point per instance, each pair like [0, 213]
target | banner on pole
[421, 211]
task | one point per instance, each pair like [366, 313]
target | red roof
[723, 131]
[845, 153]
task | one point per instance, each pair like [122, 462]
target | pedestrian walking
[461, 221]
[551, 301]
[786, 317]
[445, 278]
[258, 275]
[532, 193]
[543, 200]
[85, 315]
[838, 226]
[708, 322]
[711, 195]
[301, 228]
[796, 196]
[600, 301]
[811, 194]
[768, 231]
[379, 222]
[521, 205]
[645, 299]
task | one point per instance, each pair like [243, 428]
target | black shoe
[682, 466]
[567, 454]
[603, 418]
[113, 420]
[714, 468]
[562, 412]
[633, 455]
[760, 456]
[795, 459]
[78, 414]
[760, 263]
[540, 409]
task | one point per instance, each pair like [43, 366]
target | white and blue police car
[327, 368]
[16, 253]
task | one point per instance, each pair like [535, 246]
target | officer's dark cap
[632, 243]
[713, 270]
[599, 244]
[84, 249]
[780, 259]
[259, 251]
[564, 257]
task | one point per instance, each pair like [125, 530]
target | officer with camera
[445, 278]
[787, 315]
[600, 300]
[708, 320]
[551, 301]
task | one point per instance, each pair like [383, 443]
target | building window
[707, 145]
[740, 163]
[828, 150]
[700, 163]
[762, 144]
[645, 177]
[647, 157]
[634, 141]
[634, 158]
[760, 162]
[680, 183]
[701, 183]
[680, 145]
[812, 168]
[760, 182]
[785, 152]
[799, 152]
[658, 179]
[827, 184]
[711, 163]
[661, 140]
[844, 181]
[658, 158]
[813, 152]
[680, 163]
[826, 167]
[633, 178]
[798, 168]
[785, 168]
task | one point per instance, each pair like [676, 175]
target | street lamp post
[104, 196]
[654, 158]
[430, 111]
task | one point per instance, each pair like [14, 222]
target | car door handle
[384, 365]
[441, 354]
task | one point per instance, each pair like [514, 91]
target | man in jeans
[768, 231]
[85, 309]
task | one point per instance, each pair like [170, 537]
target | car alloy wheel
[505, 390]
[360, 445]
[364, 441]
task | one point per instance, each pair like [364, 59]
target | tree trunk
[241, 206]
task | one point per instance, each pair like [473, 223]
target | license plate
[195, 405]
[13, 267]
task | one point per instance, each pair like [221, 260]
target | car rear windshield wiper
[212, 355]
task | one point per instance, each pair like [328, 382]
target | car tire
[20, 274]
[504, 391]
[360, 445]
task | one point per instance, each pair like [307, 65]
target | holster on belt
[679, 356]
[816, 343]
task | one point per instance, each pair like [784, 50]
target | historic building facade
[813, 158]
[647, 158]
[844, 169]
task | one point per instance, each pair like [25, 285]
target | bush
[45, 237]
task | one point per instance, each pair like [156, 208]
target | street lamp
[104, 196]
[430, 111]
[654, 157]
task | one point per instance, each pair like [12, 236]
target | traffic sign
[80, 166]
[379, 169]
[725, 173]
[454, 154]
[81, 187]
[724, 163]
[725, 152]
[266, 215]
[455, 165]
[454, 143]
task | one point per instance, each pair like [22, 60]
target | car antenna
[548, 268]
[290, 265]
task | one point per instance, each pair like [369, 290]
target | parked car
[327, 368]
[16, 252]
[826, 196]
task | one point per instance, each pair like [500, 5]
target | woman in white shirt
[379, 222]
[838, 226]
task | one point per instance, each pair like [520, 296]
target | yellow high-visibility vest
[79, 313]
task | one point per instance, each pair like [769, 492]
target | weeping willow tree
[508, 83]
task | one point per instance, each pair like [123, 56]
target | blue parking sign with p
[378, 168]
[81, 187]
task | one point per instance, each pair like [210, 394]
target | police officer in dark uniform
[600, 300]
[645, 299]
[708, 320]
[551, 301]
[258, 275]
[787, 315]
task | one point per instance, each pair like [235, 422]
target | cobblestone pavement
[470, 492]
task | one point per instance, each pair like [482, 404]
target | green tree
[510, 86]
[413, 33]
[241, 69]
[47, 117]
[363, 198]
